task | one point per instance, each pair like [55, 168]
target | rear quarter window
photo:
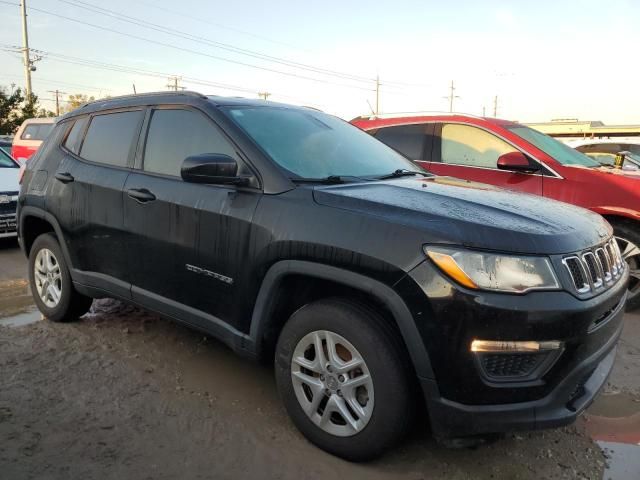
[406, 139]
[110, 137]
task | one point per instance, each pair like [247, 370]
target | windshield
[552, 147]
[6, 161]
[312, 144]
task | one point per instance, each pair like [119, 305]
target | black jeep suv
[295, 237]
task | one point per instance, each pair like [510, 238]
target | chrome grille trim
[596, 268]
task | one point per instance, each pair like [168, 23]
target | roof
[374, 121]
[167, 97]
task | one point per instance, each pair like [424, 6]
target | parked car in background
[605, 151]
[511, 155]
[29, 137]
[9, 188]
[296, 238]
[5, 143]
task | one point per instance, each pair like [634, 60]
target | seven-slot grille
[595, 268]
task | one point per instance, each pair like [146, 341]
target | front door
[187, 241]
[472, 153]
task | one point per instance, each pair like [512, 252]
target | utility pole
[173, 83]
[484, 111]
[57, 93]
[451, 96]
[264, 95]
[377, 94]
[25, 49]
[495, 106]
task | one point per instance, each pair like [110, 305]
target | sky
[542, 59]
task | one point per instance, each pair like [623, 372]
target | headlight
[490, 271]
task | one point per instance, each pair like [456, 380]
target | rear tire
[627, 234]
[51, 284]
[355, 423]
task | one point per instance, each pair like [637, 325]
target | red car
[511, 155]
[30, 136]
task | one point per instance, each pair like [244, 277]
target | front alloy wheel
[332, 383]
[631, 254]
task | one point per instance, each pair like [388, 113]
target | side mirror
[214, 168]
[516, 162]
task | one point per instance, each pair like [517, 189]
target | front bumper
[561, 407]
[462, 401]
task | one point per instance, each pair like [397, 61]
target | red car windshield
[552, 147]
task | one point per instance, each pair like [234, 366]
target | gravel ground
[124, 394]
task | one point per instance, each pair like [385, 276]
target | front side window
[110, 137]
[177, 134]
[312, 144]
[560, 152]
[472, 146]
[36, 131]
[406, 139]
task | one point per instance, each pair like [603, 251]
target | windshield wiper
[330, 180]
[403, 173]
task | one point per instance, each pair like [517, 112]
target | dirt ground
[123, 394]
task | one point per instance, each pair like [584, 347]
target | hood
[454, 211]
[9, 180]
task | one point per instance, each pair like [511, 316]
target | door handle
[64, 177]
[141, 195]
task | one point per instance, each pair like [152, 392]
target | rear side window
[110, 137]
[176, 134]
[74, 139]
[465, 145]
[36, 131]
[406, 139]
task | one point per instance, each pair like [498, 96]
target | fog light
[497, 346]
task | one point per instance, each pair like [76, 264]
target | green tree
[76, 101]
[15, 108]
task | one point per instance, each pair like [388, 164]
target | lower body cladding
[568, 350]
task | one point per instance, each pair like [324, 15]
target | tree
[76, 101]
[9, 106]
[15, 108]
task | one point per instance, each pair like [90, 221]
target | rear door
[99, 152]
[472, 153]
[187, 242]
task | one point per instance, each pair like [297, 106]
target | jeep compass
[375, 288]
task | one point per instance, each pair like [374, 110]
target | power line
[195, 52]
[149, 73]
[199, 39]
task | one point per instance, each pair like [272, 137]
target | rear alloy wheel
[345, 379]
[51, 284]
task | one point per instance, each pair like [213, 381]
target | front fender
[265, 303]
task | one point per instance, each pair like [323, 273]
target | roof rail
[415, 114]
[146, 94]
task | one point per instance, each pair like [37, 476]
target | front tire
[342, 374]
[627, 235]
[51, 284]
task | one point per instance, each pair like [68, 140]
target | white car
[605, 150]
[9, 188]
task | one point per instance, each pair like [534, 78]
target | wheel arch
[33, 222]
[265, 323]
